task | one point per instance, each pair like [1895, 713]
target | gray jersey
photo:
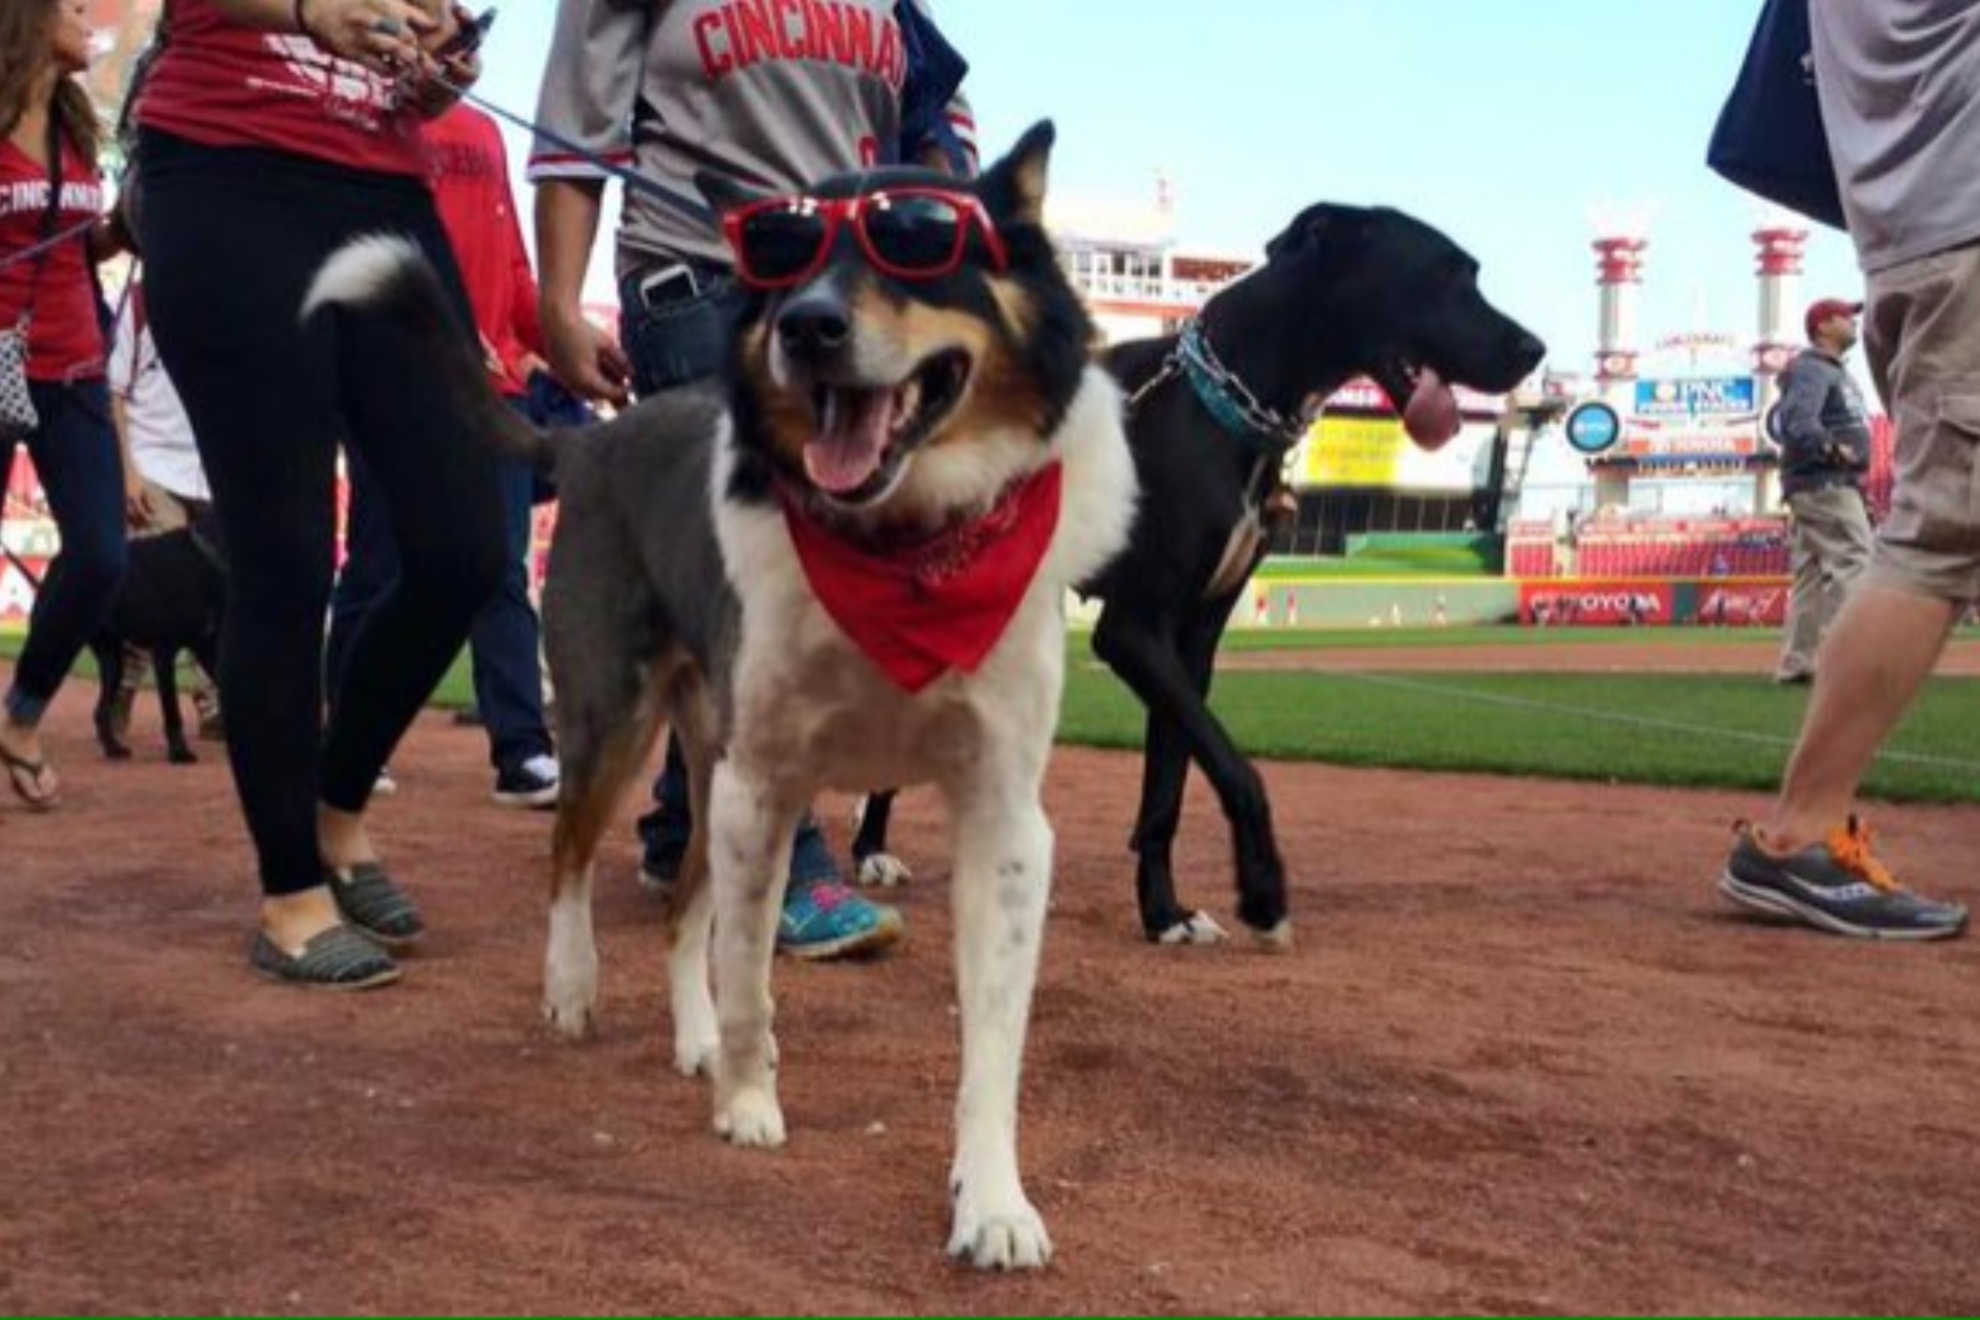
[1900, 87]
[773, 96]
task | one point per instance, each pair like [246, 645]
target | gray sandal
[371, 902]
[336, 959]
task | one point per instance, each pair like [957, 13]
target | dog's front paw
[881, 871]
[697, 1046]
[751, 1118]
[570, 998]
[999, 1233]
[1199, 929]
[570, 1019]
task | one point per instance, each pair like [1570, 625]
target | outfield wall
[1333, 602]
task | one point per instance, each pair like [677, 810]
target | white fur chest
[809, 707]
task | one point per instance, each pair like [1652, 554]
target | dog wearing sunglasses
[845, 567]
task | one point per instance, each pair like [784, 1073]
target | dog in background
[1212, 412]
[845, 568]
[172, 602]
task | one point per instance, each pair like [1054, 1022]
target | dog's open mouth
[866, 432]
[1429, 408]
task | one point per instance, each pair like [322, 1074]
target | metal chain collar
[1229, 400]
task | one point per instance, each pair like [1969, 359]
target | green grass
[1690, 731]
[1680, 730]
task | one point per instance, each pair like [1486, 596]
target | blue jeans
[503, 642]
[75, 454]
[674, 344]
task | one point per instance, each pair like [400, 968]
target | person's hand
[586, 359]
[138, 512]
[530, 364]
[386, 36]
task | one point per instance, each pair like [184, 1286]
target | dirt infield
[1522, 1060]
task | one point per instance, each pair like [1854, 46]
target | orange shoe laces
[1849, 844]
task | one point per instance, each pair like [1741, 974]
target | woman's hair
[26, 45]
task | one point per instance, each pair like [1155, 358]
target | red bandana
[922, 610]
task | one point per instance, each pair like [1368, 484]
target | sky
[1515, 126]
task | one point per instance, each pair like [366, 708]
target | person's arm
[580, 355]
[946, 141]
[590, 86]
[351, 28]
[522, 325]
[1803, 437]
[122, 379]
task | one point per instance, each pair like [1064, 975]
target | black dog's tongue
[852, 439]
[1431, 413]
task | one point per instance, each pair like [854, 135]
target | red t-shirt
[224, 84]
[66, 340]
[468, 167]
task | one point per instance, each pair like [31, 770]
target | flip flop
[336, 959]
[25, 778]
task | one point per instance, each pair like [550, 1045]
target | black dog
[173, 597]
[1344, 292]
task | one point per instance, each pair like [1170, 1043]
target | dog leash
[633, 179]
[20, 565]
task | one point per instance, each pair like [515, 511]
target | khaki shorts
[1922, 337]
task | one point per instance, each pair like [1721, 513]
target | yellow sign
[1352, 451]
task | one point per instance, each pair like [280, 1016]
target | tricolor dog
[845, 568]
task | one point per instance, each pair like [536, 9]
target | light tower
[1778, 248]
[1618, 270]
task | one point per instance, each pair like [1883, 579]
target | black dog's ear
[1323, 220]
[1014, 188]
[722, 193]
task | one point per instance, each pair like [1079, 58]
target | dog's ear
[1014, 188]
[1321, 222]
[722, 193]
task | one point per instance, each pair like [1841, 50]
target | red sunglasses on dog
[909, 233]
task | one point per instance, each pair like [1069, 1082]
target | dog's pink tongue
[1431, 415]
[851, 439]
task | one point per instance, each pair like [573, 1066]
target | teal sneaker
[824, 920]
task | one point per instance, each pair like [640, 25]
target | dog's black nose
[813, 326]
[1531, 349]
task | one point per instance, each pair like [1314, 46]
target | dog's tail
[388, 276]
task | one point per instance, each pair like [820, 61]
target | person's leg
[256, 385]
[1838, 535]
[1800, 637]
[1810, 857]
[259, 387]
[371, 565]
[75, 453]
[505, 647]
[443, 495]
[1879, 654]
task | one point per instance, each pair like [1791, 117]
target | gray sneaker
[1837, 886]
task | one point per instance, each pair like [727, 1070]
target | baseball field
[1522, 1059]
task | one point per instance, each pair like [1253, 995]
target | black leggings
[232, 238]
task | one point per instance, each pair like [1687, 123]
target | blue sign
[1593, 428]
[1688, 399]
